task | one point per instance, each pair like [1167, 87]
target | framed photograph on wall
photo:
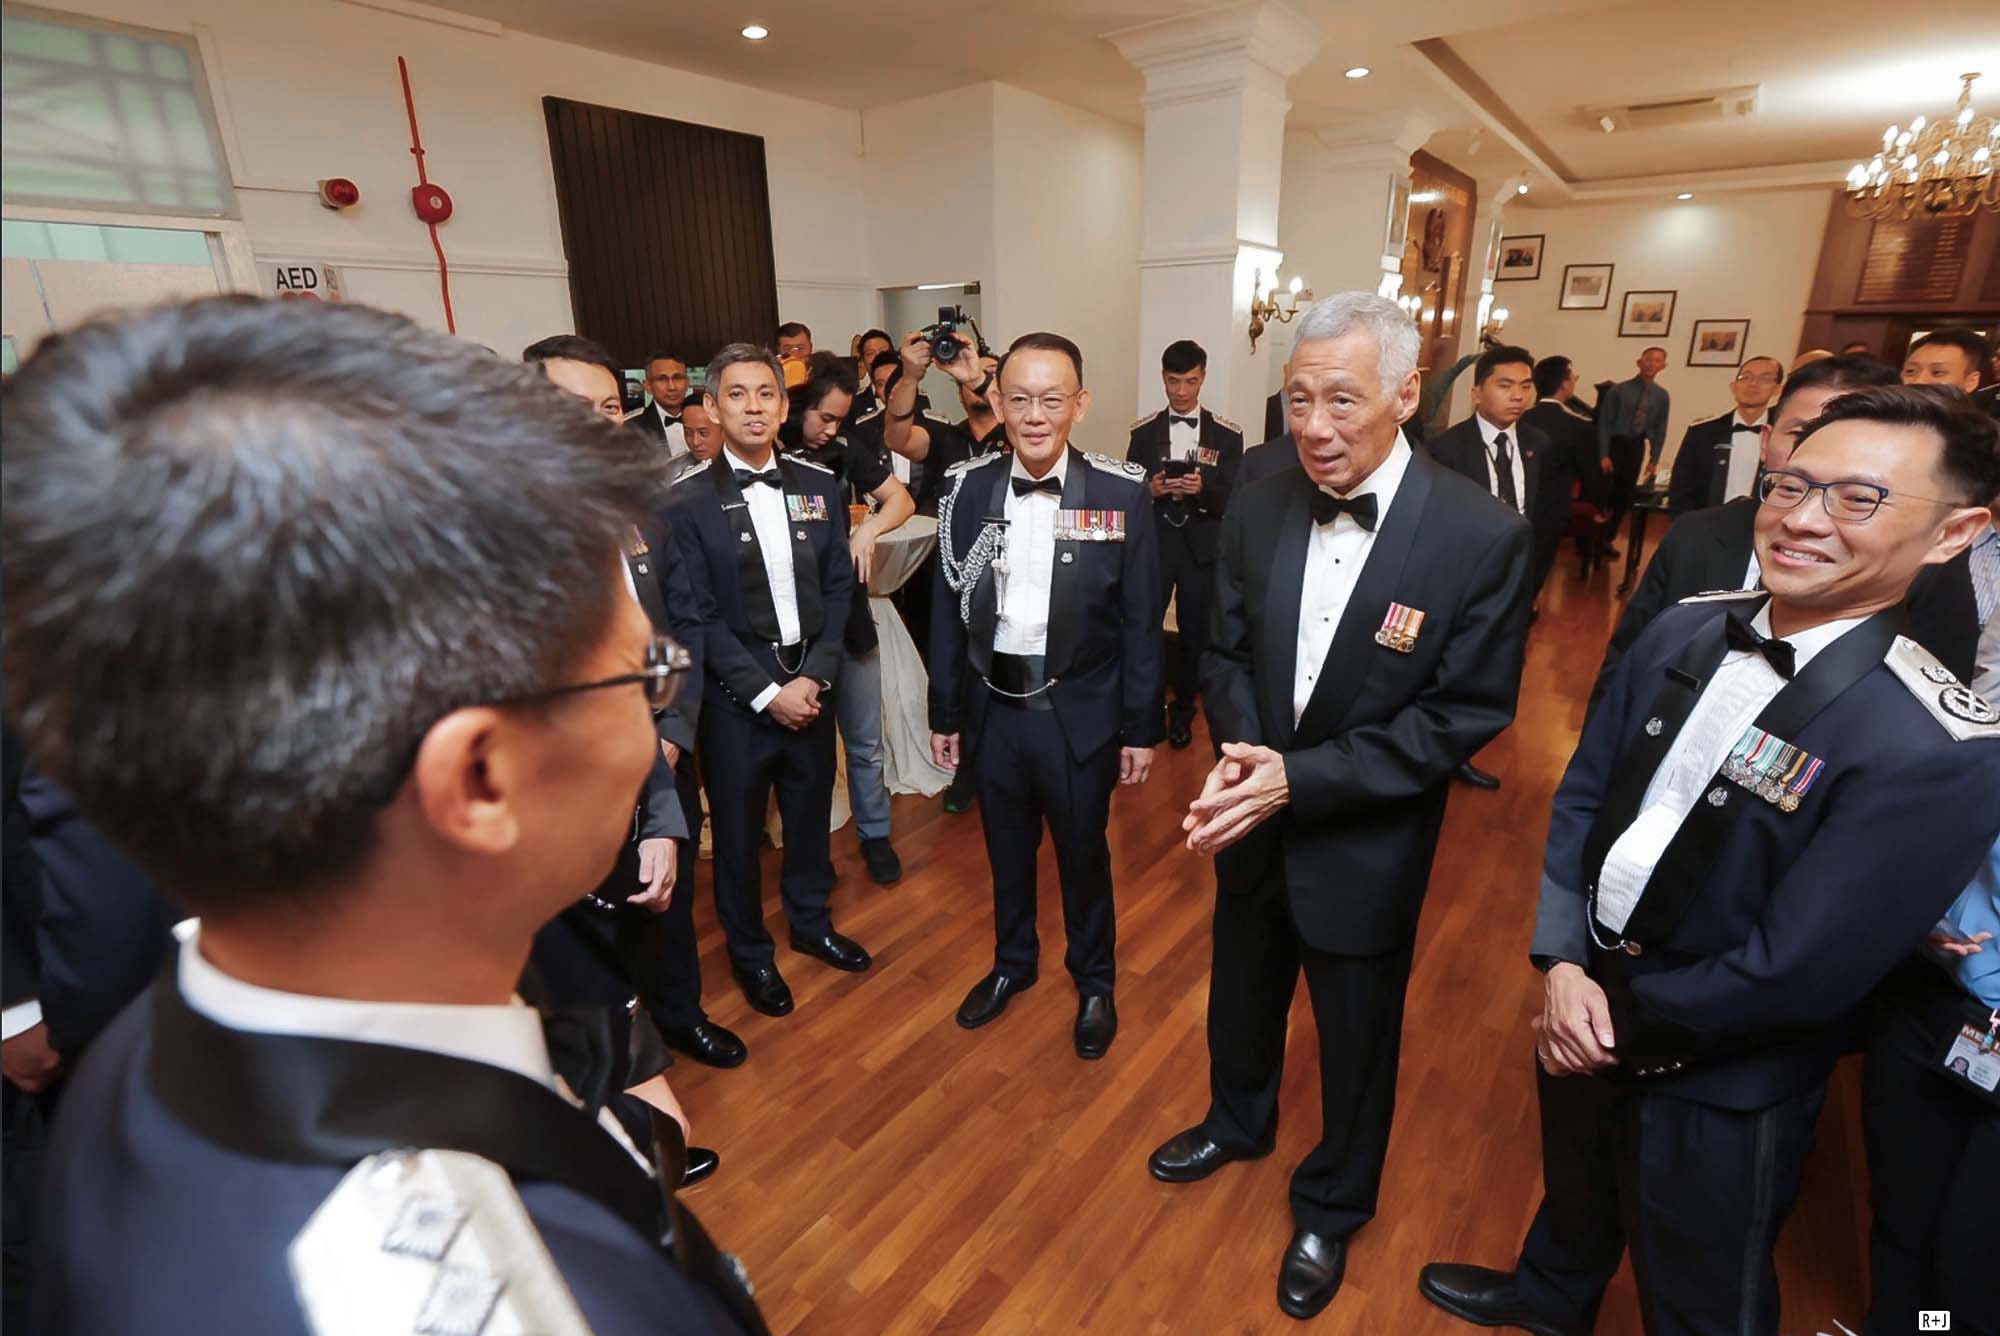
[1520, 258]
[1646, 315]
[1586, 287]
[1718, 342]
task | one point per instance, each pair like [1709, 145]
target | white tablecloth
[901, 555]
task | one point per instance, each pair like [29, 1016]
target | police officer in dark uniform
[762, 534]
[1760, 770]
[1695, 482]
[1046, 597]
[411, 705]
[1191, 457]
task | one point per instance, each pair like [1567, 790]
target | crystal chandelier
[1936, 169]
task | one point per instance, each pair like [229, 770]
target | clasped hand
[1246, 787]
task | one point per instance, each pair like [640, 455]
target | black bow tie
[1024, 486]
[1190, 421]
[1326, 507]
[1778, 653]
[769, 477]
[1755, 430]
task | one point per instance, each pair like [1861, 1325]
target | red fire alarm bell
[337, 192]
[433, 205]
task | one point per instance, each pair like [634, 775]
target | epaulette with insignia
[1724, 595]
[1150, 417]
[802, 460]
[870, 415]
[691, 472]
[431, 1241]
[1123, 467]
[976, 461]
[942, 422]
[1222, 421]
[1964, 713]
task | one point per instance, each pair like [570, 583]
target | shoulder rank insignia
[974, 462]
[1772, 768]
[1140, 422]
[1225, 423]
[1964, 713]
[871, 414]
[1124, 467]
[1723, 595]
[433, 1242]
[1400, 628]
[941, 421]
[807, 463]
[697, 469]
[1090, 526]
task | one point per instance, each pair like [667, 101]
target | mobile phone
[1177, 468]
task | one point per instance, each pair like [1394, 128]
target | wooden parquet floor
[884, 1171]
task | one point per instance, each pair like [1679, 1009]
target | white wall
[310, 90]
[1731, 257]
[928, 185]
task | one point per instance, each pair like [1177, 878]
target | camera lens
[945, 348]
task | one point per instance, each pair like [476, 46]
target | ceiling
[1510, 75]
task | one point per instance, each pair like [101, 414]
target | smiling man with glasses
[1695, 482]
[1046, 601]
[1772, 803]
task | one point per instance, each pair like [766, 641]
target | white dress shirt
[676, 439]
[1182, 440]
[1023, 626]
[772, 523]
[1744, 683]
[1487, 434]
[1335, 555]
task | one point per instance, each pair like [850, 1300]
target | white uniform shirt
[1183, 440]
[1334, 556]
[1488, 433]
[1023, 626]
[774, 538]
[1744, 683]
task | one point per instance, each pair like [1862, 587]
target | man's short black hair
[1839, 373]
[1182, 356]
[1042, 341]
[735, 354]
[1764, 357]
[1970, 462]
[1968, 341]
[881, 334]
[573, 348]
[1506, 354]
[1655, 348]
[791, 329]
[825, 374]
[666, 357]
[254, 550]
[1550, 373]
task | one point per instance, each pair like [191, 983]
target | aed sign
[307, 282]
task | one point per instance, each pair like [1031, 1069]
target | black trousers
[1628, 460]
[1697, 1193]
[1933, 1164]
[675, 1000]
[22, 1151]
[1183, 573]
[742, 759]
[1026, 778]
[1357, 1004]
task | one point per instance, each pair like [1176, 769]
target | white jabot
[1023, 626]
[1335, 554]
[1488, 433]
[1183, 440]
[1743, 684]
[774, 538]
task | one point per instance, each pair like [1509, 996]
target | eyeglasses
[1014, 405]
[1854, 502]
[1761, 377]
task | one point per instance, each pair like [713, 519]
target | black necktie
[769, 477]
[1778, 653]
[1024, 486]
[1190, 421]
[1503, 472]
[1327, 506]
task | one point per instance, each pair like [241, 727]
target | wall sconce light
[1264, 307]
[1489, 334]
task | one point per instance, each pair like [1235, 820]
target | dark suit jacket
[1571, 457]
[1707, 550]
[1201, 521]
[716, 545]
[1274, 415]
[1692, 484]
[647, 420]
[1761, 928]
[1276, 455]
[1370, 763]
[1461, 450]
[1105, 648]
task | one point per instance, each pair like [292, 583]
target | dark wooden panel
[667, 229]
[1918, 260]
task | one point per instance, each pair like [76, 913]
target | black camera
[944, 338]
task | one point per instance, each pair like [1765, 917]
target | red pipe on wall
[423, 179]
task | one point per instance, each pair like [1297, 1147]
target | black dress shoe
[988, 997]
[1479, 779]
[1180, 734]
[706, 1042]
[843, 953]
[958, 794]
[765, 988]
[701, 1163]
[1481, 1295]
[884, 868]
[1193, 1156]
[1310, 1275]
[1096, 1025]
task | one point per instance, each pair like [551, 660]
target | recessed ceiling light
[756, 32]
[1357, 72]
[1521, 189]
[1685, 194]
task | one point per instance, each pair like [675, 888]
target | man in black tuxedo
[667, 382]
[1275, 455]
[1569, 466]
[1045, 642]
[1494, 450]
[1191, 457]
[1713, 549]
[1372, 608]
[762, 534]
[1694, 484]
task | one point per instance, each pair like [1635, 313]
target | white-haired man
[1370, 613]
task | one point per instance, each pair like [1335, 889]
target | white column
[1215, 129]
